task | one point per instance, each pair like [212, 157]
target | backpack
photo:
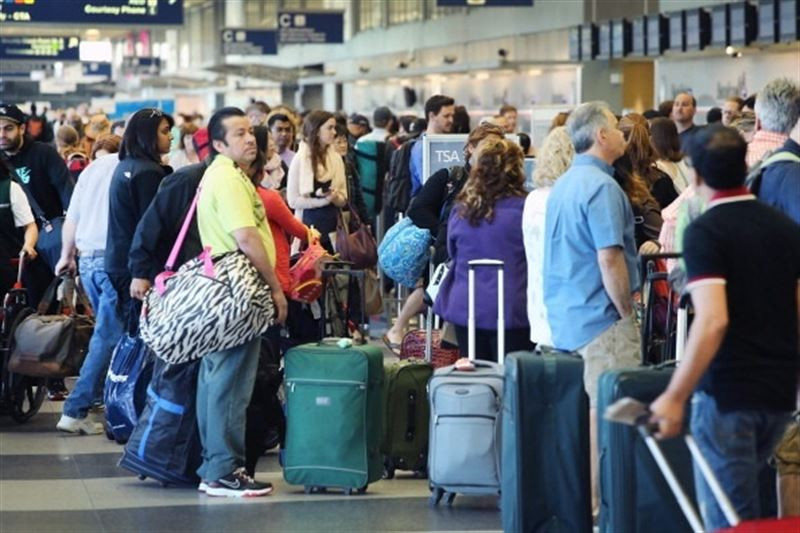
[76, 162]
[756, 174]
[305, 276]
[398, 186]
[371, 166]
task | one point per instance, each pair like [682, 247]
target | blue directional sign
[97, 69]
[241, 41]
[484, 3]
[131, 12]
[35, 47]
[311, 27]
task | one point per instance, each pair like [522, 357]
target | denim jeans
[736, 445]
[107, 331]
[224, 387]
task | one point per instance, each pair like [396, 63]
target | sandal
[393, 346]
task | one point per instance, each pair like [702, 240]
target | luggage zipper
[360, 384]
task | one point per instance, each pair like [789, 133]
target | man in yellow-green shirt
[230, 216]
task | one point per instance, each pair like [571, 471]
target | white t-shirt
[88, 207]
[533, 237]
[20, 207]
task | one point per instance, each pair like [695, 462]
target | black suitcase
[634, 497]
[546, 483]
[165, 444]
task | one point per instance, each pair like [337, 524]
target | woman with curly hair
[643, 159]
[555, 157]
[486, 223]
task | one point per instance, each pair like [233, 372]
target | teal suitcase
[334, 417]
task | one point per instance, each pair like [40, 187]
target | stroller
[20, 396]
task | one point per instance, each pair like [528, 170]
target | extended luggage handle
[501, 330]
[635, 413]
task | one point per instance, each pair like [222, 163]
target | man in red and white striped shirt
[773, 121]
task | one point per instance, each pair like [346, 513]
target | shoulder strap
[779, 157]
[187, 221]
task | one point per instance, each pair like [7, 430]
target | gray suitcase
[465, 408]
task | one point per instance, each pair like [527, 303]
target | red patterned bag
[413, 346]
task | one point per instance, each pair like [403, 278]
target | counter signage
[241, 41]
[92, 11]
[311, 27]
[97, 69]
[447, 150]
[35, 47]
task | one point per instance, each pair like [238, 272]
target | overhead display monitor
[698, 29]
[620, 38]
[744, 23]
[39, 47]
[677, 31]
[720, 25]
[588, 42]
[789, 16]
[657, 34]
[575, 43]
[129, 12]
[768, 21]
[639, 36]
[604, 44]
[311, 27]
[247, 42]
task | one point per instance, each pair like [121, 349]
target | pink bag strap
[176, 248]
[205, 255]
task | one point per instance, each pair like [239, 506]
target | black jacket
[162, 221]
[133, 187]
[44, 174]
[430, 208]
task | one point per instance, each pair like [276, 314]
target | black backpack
[398, 186]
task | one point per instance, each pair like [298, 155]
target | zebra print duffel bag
[210, 304]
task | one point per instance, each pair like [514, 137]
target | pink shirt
[762, 143]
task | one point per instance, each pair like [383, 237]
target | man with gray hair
[776, 115]
[590, 257]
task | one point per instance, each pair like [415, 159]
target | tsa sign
[311, 27]
[239, 41]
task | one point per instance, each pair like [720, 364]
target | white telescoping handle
[681, 328]
[719, 494]
[501, 321]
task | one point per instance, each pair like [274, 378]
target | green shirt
[229, 202]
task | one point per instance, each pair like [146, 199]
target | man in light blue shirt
[439, 111]
[590, 256]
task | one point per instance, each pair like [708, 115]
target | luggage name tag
[47, 227]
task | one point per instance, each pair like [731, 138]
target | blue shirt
[586, 211]
[415, 166]
[780, 183]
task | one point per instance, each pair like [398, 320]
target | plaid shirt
[763, 142]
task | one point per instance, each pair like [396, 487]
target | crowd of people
[607, 188]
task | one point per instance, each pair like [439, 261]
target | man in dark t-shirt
[741, 360]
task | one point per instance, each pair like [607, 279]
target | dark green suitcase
[334, 416]
[407, 415]
[545, 445]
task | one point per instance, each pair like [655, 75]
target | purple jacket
[499, 239]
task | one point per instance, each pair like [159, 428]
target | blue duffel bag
[125, 389]
[404, 252]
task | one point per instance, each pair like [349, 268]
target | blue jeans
[736, 445]
[107, 331]
[224, 387]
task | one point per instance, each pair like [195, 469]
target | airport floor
[55, 482]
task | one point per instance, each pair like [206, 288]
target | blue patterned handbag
[404, 252]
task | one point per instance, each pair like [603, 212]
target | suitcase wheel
[348, 491]
[363, 489]
[448, 500]
[436, 496]
[109, 434]
[388, 469]
[142, 477]
[313, 489]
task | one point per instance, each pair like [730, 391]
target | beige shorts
[616, 348]
[787, 455]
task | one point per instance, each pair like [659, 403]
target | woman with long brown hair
[646, 210]
[643, 159]
[317, 185]
[486, 222]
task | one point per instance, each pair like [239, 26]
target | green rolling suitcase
[334, 417]
[405, 441]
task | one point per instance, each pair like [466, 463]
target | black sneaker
[238, 484]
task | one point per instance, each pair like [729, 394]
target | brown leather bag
[51, 345]
[358, 247]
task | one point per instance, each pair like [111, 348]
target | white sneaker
[83, 426]
[203, 486]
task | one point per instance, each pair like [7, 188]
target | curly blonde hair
[498, 173]
[554, 157]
